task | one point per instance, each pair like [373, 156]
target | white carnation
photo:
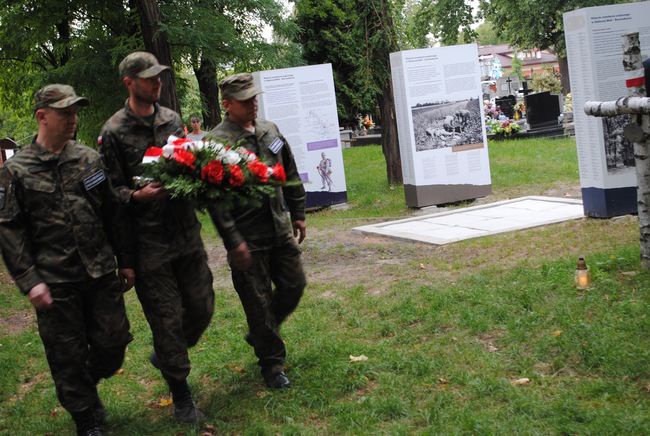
[217, 146]
[231, 157]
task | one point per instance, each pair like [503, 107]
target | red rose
[213, 172]
[236, 176]
[185, 157]
[259, 170]
[278, 173]
[181, 141]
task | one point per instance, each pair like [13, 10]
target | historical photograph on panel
[619, 152]
[447, 124]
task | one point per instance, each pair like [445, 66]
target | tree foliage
[81, 42]
[486, 34]
[546, 81]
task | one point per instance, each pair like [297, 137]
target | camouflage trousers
[178, 302]
[275, 262]
[84, 334]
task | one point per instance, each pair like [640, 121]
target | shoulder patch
[276, 145]
[94, 179]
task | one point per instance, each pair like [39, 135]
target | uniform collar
[261, 128]
[157, 118]
[67, 153]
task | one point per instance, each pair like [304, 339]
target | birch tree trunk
[636, 86]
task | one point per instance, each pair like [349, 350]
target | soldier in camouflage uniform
[58, 213]
[173, 283]
[260, 241]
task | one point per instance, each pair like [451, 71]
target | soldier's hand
[127, 278]
[241, 257]
[150, 192]
[40, 296]
[299, 230]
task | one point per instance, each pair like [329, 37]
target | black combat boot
[86, 422]
[275, 377]
[185, 409]
[99, 412]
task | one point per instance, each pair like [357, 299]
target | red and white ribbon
[152, 154]
[174, 143]
[635, 78]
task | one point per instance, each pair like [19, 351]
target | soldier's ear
[126, 80]
[39, 114]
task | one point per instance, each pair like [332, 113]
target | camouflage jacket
[271, 219]
[58, 213]
[164, 228]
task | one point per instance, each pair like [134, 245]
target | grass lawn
[449, 333]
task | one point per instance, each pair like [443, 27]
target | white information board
[302, 102]
[595, 55]
[438, 104]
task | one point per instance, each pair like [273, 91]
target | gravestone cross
[636, 103]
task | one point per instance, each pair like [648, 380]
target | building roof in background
[504, 53]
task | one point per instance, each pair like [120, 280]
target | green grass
[537, 162]
[445, 330]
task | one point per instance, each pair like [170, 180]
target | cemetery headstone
[507, 105]
[542, 109]
[507, 85]
[525, 90]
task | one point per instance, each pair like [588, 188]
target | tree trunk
[157, 43]
[633, 65]
[381, 23]
[206, 75]
[63, 29]
[389, 143]
[563, 63]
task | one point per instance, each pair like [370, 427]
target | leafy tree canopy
[81, 42]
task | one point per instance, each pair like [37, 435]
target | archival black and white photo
[447, 124]
[619, 152]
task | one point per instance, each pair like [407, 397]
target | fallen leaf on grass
[520, 381]
[492, 349]
[443, 381]
[119, 371]
[556, 333]
[261, 394]
[421, 266]
[54, 412]
[237, 369]
[165, 401]
[360, 358]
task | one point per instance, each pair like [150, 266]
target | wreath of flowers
[208, 171]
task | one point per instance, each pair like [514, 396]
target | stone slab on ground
[483, 220]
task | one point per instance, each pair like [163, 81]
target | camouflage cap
[58, 96]
[141, 64]
[239, 86]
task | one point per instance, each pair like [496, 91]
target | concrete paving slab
[483, 220]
